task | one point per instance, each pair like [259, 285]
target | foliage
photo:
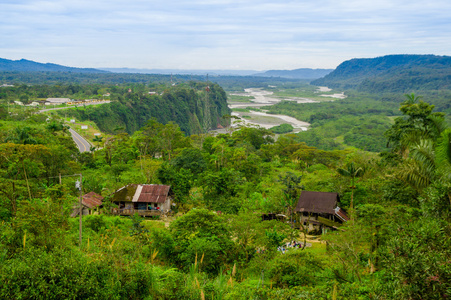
[216, 246]
[282, 128]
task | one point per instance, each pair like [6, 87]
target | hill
[391, 73]
[304, 73]
[24, 65]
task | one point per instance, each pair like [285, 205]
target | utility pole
[79, 185]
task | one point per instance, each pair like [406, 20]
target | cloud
[220, 34]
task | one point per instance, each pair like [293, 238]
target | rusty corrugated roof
[154, 193]
[341, 214]
[150, 193]
[92, 200]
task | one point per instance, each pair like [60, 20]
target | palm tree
[21, 135]
[428, 161]
[351, 171]
[419, 123]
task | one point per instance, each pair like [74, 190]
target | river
[261, 118]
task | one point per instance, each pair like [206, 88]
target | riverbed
[261, 118]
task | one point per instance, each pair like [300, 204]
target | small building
[272, 216]
[320, 210]
[57, 100]
[143, 199]
[90, 202]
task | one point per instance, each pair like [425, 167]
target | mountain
[24, 65]
[182, 72]
[304, 73]
[392, 73]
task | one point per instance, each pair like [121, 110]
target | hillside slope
[24, 65]
[304, 73]
[391, 73]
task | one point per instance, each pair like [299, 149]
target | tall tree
[351, 171]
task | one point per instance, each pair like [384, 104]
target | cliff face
[195, 110]
[391, 73]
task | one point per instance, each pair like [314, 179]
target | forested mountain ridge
[25, 65]
[391, 73]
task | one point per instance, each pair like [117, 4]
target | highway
[82, 144]
[72, 106]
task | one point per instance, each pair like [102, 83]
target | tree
[255, 136]
[292, 188]
[21, 135]
[418, 123]
[179, 180]
[171, 138]
[98, 140]
[202, 232]
[351, 171]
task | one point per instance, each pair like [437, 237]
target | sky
[220, 34]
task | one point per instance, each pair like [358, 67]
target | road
[82, 144]
[79, 105]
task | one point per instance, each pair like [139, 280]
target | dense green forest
[215, 245]
[355, 121]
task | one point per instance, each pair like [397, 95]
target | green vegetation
[241, 109]
[214, 245]
[385, 78]
[299, 90]
[281, 129]
[188, 104]
[362, 122]
[238, 98]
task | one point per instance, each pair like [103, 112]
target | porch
[132, 211]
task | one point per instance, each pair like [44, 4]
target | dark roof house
[321, 208]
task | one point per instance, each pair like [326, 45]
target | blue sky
[222, 34]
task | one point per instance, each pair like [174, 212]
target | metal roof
[150, 193]
[92, 200]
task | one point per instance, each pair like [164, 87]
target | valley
[262, 98]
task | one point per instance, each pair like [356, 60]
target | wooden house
[90, 202]
[143, 199]
[320, 210]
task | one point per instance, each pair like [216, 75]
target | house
[320, 210]
[143, 199]
[90, 202]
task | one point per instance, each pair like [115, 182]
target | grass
[241, 109]
[239, 98]
[262, 119]
[88, 134]
[309, 91]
